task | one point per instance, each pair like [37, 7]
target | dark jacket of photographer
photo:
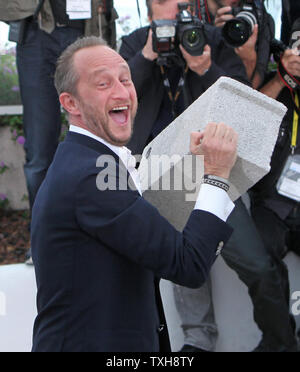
[15, 10]
[265, 192]
[151, 92]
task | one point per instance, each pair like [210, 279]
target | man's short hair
[66, 77]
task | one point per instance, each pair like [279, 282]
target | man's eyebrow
[98, 72]
[107, 69]
[125, 66]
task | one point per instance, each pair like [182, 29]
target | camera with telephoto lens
[278, 48]
[186, 30]
[237, 31]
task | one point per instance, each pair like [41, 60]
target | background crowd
[263, 236]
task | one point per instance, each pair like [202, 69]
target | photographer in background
[43, 30]
[275, 199]
[165, 92]
[255, 53]
[248, 257]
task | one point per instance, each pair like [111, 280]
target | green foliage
[15, 123]
[3, 167]
[4, 203]
[9, 84]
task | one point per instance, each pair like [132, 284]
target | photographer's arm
[273, 88]
[291, 62]
[248, 55]
[132, 50]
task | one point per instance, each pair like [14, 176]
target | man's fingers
[210, 130]
[219, 147]
[289, 52]
[294, 69]
[207, 50]
[254, 35]
[221, 131]
[196, 139]
[224, 10]
[231, 136]
[225, 18]
[291, 62]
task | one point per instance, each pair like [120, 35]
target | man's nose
[120, 91]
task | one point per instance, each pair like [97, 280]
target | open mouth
[120, 114]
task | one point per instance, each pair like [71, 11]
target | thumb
[196, 139]
[207, 50]
[254, 36]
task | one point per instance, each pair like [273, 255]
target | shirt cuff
[216, 201]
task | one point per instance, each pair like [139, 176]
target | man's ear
[69, 103]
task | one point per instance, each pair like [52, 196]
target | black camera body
[237, 31]
[186, 30]
[278, 48]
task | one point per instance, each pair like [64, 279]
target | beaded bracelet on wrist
[217, 182]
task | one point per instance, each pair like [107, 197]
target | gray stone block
[254, 116]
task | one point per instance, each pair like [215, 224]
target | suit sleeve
[127, 224]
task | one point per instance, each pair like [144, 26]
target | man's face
[167, 10]
[105, 93]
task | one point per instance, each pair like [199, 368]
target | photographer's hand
[291, 61]
[199, 64]
[218, 144]
[223, 15]
[148, 52]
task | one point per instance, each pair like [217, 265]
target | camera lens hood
[237, 31]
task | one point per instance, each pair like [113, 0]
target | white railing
[11, 110]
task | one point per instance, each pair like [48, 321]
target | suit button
[160, 328]
[220, 248]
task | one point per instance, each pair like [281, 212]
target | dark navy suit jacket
[97, 255]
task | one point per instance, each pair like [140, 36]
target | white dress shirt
[210, 199]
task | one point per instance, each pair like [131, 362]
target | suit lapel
[124, 178]
[90, 143]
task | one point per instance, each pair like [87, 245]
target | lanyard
[167, 84]
[295, 125]
[203, 11]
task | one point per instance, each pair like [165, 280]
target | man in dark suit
[99, 255]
